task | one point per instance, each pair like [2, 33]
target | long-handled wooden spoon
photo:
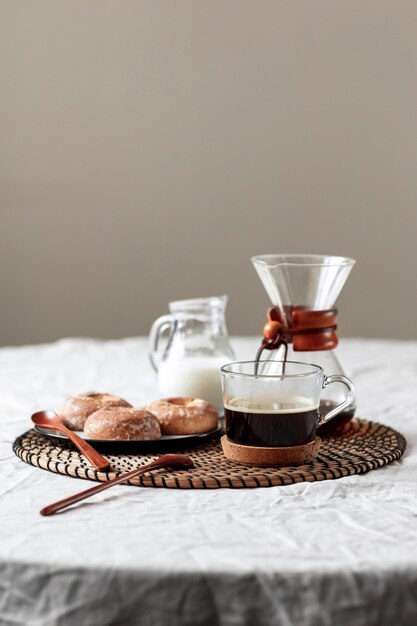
[174, 461]
[50, 419]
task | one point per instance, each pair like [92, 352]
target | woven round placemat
[361, 447]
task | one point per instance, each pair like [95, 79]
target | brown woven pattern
[361, 447]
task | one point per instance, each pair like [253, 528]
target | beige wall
[148, 149]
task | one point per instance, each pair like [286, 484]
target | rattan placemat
[363, 446]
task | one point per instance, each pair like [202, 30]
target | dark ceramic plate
[165, 442]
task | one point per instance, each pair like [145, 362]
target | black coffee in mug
[275, 403]
[287, 425]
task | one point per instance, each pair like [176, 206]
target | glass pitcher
[305, 287]
[197, 347]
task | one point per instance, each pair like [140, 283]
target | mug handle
[338, 378]
[158, 327]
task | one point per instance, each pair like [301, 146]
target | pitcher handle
[157, 328]
[338, 378]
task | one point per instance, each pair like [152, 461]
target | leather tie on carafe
[307, 330]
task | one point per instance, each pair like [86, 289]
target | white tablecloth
[334, 552]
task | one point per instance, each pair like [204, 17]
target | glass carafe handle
[338, 378]
[158, 327]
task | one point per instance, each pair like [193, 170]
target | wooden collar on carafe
[306, 330]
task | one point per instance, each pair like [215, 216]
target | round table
[333, 552]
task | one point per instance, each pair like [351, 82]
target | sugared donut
[76, 409]
[184, 416]
[122, 423]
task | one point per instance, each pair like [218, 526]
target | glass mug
[276, 403]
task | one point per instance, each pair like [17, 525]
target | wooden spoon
[50, 419]
[174, 461]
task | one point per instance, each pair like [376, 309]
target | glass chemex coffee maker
[302, 322]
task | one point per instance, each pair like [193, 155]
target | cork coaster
[361, 446]
[270, 457]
